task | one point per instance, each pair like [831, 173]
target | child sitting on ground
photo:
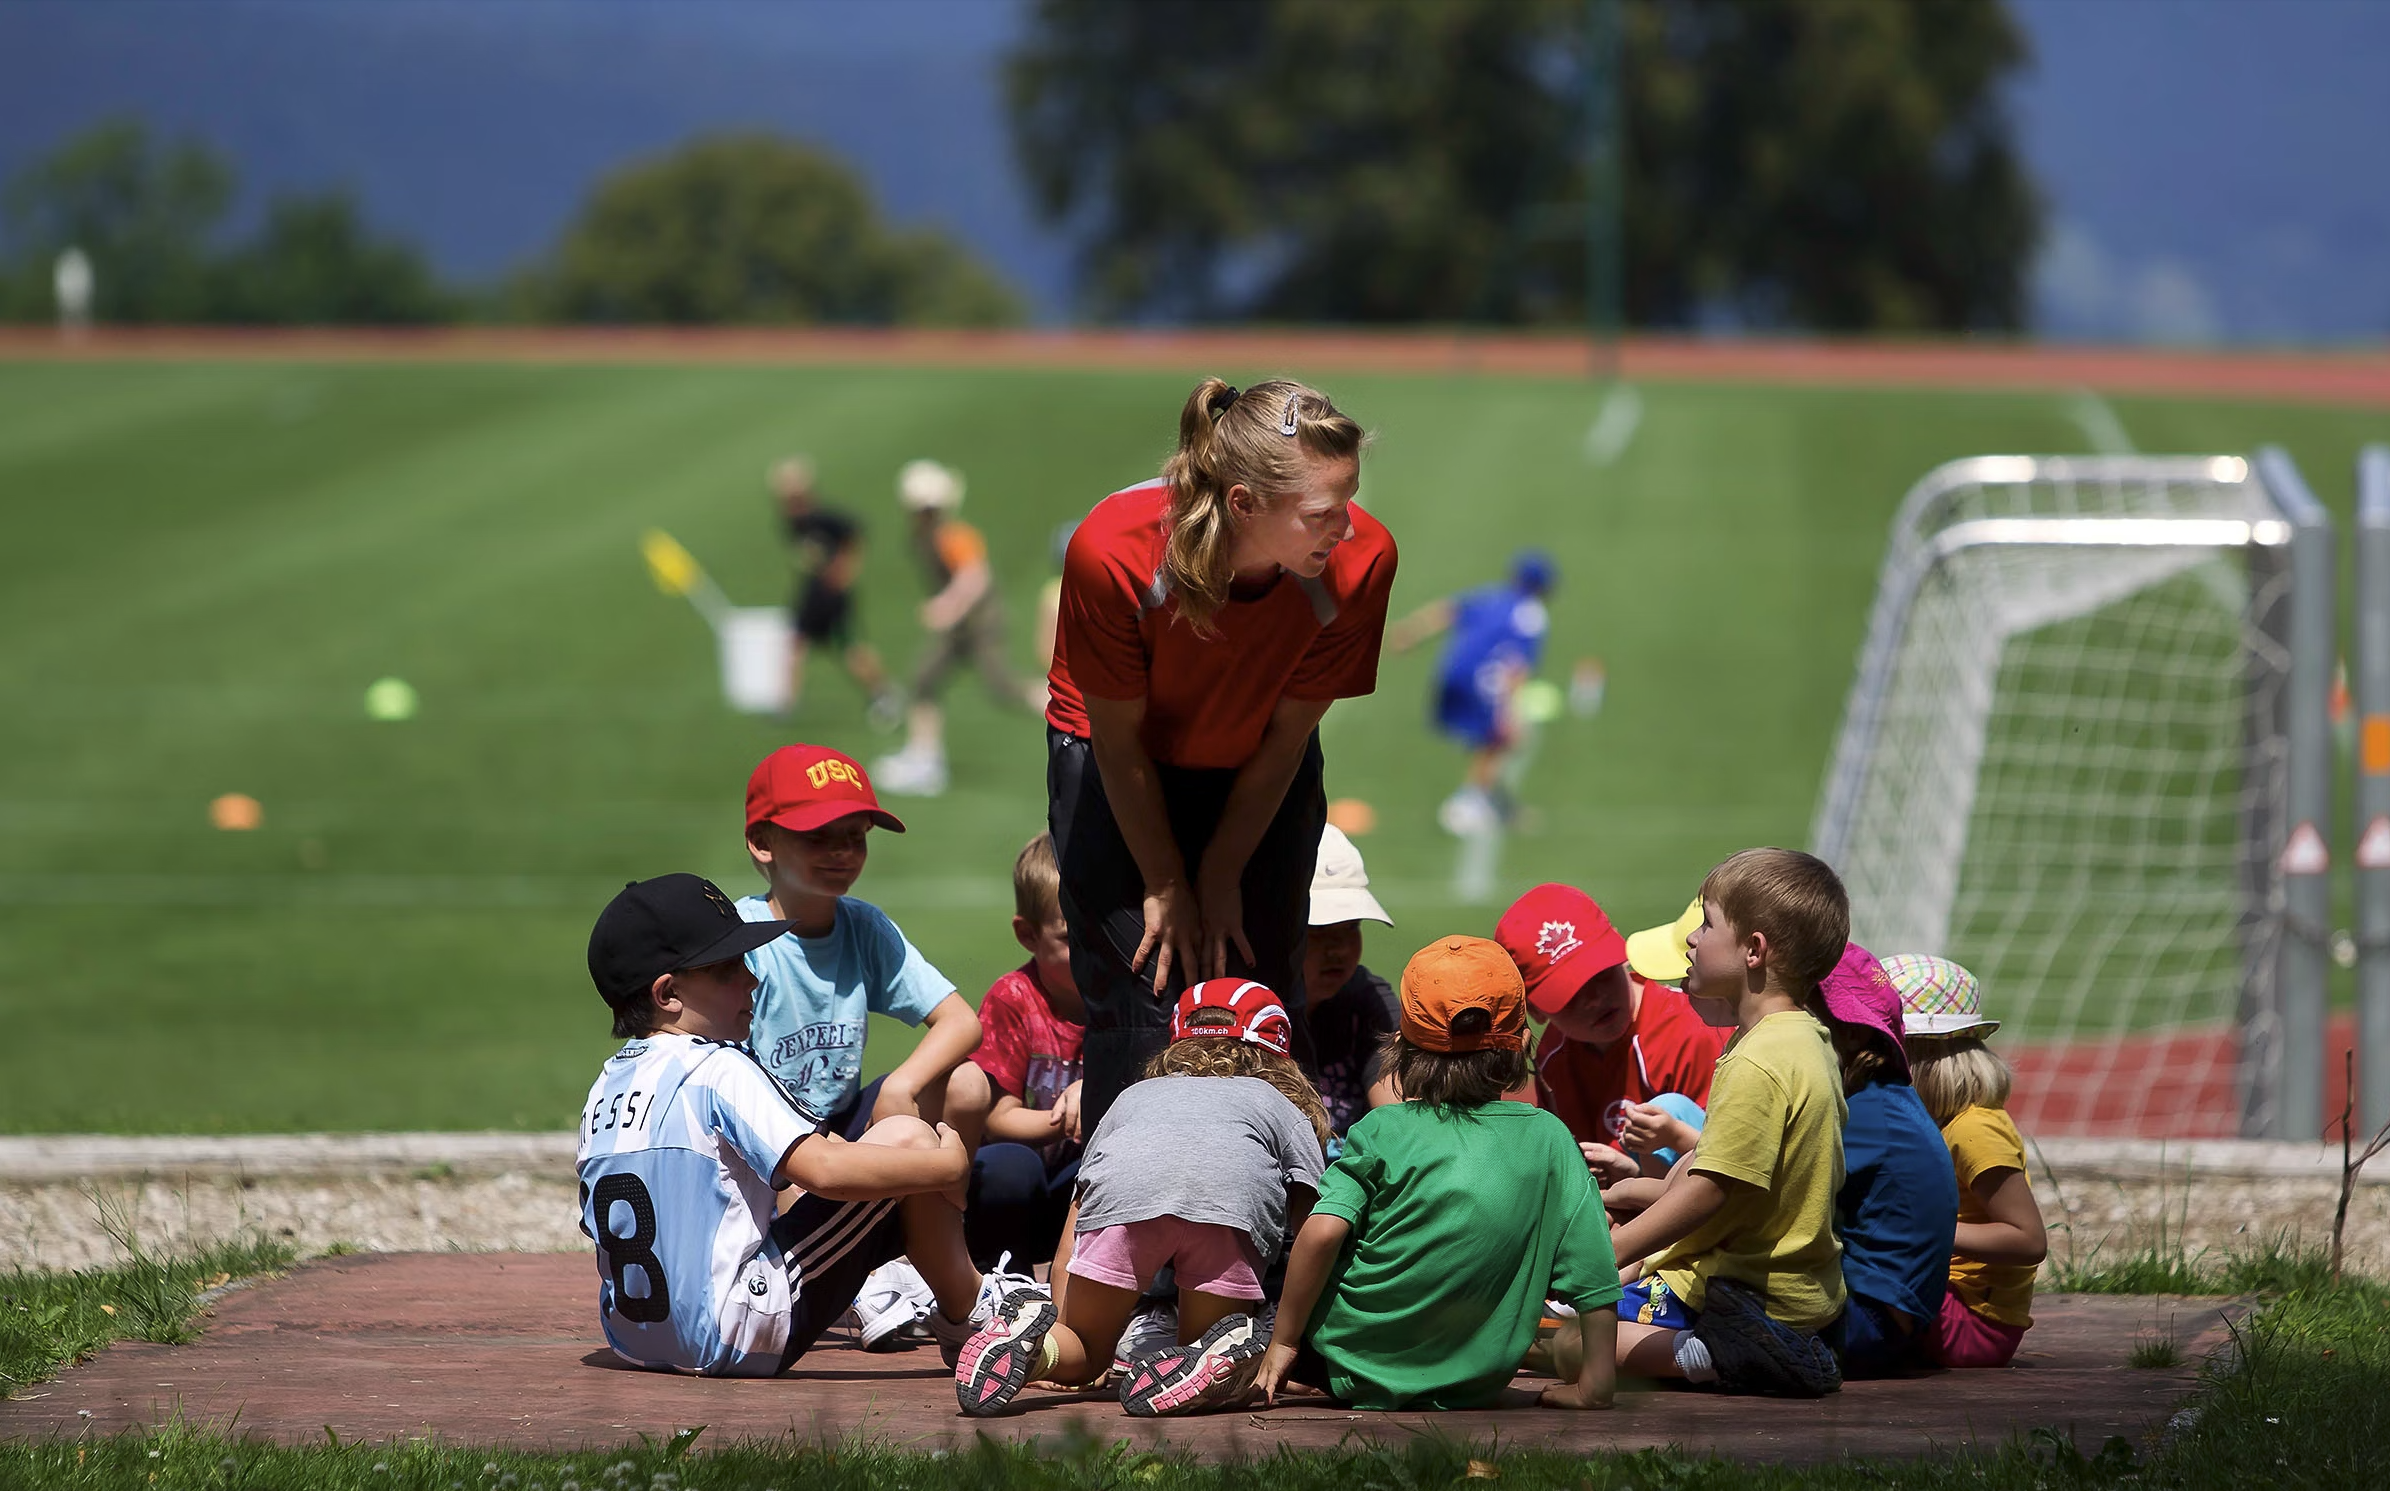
[1351, 1011]
[685, 1138]
[1746, 1269]
[1613, 1043]
[1898, 1205]
[1450, 1218]
[1035, 1027]
[2000, 1239]
[1204, 1166]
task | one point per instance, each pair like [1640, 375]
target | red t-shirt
[1016, 1023]
[1208, 699]
[1669, 1050]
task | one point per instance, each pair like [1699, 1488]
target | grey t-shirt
[1202, 1149]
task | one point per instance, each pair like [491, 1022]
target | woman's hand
[1223, 901]
[1173, 932]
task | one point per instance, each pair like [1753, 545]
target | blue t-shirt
[814, 992]
[1496, 630]
[1898, 1207]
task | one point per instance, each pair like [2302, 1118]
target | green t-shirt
[1464, 1223]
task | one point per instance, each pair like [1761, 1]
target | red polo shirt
[1669, 1050]
[1208, 699]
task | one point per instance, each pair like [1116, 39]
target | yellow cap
[1658, 953]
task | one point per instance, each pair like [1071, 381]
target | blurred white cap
[925, 486]
[1340, 886]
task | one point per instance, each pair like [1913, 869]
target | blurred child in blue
[1496, 636]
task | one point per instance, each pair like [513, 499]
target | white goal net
[2063, 766]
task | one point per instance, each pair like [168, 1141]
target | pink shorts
[1962, 1338]
[1207, 1257]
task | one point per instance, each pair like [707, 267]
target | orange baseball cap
[1452, 974]
[802, 787]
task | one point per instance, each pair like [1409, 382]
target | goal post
[2087, 754]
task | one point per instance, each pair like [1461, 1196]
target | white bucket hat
[1340, 886]
[925, 486]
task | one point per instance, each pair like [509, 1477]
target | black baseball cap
[666, 925]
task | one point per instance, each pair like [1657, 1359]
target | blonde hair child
[1965, 1084]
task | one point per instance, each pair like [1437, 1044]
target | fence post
[2300, 995]
[2373, 786]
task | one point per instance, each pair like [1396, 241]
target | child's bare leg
[1198, 1312]
[961, 1102]
[1647, 1350]
[933, 1225]
[1089, 1330]
[1058, 1277]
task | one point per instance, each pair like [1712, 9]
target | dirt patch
[2360, 379]
[504, 1349]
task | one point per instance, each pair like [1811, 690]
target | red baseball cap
[1259, 1015]
[1559, 938]
[802, 787]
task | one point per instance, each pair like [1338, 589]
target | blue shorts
[1466, 714]
[1651, 1302]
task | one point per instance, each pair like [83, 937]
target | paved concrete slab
[504, 1349]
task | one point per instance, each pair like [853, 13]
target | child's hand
[1066, 1113]
[1275, 1364]
[1650, 1126]
[1608, 1164]
[1574, 1395]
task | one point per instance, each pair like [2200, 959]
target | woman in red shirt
[1208, 620]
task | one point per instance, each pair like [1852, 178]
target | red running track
[2170, 1086]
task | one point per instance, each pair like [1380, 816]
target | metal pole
[2306, 879]
[2373, 787]
[1604, 181]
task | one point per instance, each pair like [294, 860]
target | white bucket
[755, 646]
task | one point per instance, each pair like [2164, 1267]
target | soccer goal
[2087, 756]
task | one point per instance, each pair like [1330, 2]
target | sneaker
[1150, 1329]
[1004, 1353]
[1467, 814]
[1211, 1373]
[910, 774]
[994, 1285]
[892, 1306]
[1754, 1354]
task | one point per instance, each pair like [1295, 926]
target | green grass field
[208, 563]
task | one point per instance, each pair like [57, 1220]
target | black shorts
[824, 613]
[1103, 902]
[832, 1246]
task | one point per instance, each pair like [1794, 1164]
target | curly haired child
[1207, 1165]
[2000, 1242]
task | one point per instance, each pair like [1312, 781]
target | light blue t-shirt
[815, 991]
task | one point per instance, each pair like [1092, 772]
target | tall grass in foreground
[2302, 1398]
[48, 1320]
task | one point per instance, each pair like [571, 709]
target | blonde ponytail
[1228, 438]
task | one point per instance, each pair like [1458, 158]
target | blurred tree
[1838, 164]
[143, 211]
[315, 262]
[749, 228]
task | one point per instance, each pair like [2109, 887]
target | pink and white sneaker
[1002, 1355]
[1211, 1373]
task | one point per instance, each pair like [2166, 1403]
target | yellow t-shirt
[1775, 1123]
[1983, 1140]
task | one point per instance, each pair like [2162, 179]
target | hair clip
[1286, 417]
[1221, 406]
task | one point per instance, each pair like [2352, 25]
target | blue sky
[2212, 166]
